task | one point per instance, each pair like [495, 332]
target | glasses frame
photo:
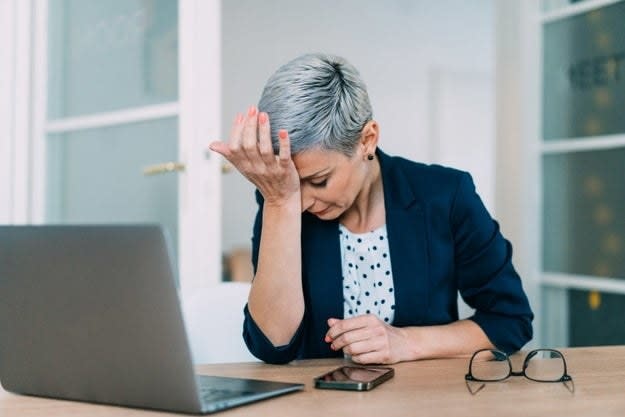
[500, 356]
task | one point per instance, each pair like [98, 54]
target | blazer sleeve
[257, 343]
[487, 280]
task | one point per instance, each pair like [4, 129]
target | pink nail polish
[251, 111]
[282, 134]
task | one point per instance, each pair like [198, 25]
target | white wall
[399, 48]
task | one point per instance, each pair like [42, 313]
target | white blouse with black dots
[367, 275]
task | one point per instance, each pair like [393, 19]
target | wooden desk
[425, 388]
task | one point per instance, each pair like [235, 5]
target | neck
[367, 213]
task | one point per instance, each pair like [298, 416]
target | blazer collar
[397, 190]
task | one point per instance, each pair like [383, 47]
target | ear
[369, 138]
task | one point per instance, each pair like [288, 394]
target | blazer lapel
[322, 278]
[405, 224]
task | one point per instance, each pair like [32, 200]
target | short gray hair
[320, 100]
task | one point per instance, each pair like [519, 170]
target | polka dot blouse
[367, 275]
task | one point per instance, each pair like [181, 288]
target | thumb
[332, 321]
[220, 148]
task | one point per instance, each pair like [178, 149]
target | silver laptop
[92, 313]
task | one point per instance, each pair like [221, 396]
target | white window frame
[517, 192]
[7, 45]
[15, 88]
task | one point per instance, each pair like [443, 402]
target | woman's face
[330, 181]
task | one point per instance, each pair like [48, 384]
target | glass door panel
[583, 202]
[110, 55]
[96, 176]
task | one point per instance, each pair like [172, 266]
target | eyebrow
[316, 174]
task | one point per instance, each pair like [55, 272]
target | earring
[370, 157]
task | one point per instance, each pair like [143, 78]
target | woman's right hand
[249, 149]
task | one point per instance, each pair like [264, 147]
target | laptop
[92, 313]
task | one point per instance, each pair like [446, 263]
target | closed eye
[319, 184]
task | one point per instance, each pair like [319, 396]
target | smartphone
[354, 378]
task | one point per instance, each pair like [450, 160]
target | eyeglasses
[540, 365]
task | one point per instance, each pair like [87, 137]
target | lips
[321, 212]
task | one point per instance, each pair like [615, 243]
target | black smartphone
[354, 378]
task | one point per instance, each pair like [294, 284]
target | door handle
[167, 167]
[226, 168]
[164, 168]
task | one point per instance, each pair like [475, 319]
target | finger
[236, 132]
[250, 133]
[221, 148]
[350, 337]
[360, 348]
[331, 322]
[264, 139]
[341, 326]
[335, 329]
[285, 147]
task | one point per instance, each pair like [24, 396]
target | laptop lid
[92, 313]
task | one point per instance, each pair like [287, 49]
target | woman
[356, 252]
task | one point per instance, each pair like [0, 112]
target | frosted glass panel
[96, 176]
[596, 318]
[583, 72]
[109, 55]
[583, 206]
[573, 317]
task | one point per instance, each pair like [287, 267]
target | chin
[331, 214]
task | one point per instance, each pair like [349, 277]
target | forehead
[313, 161]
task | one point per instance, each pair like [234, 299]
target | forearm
[276, 300]
[460, 338]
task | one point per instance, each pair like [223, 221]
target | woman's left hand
[368, 340]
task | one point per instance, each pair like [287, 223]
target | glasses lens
[544, 365]
[490, 365]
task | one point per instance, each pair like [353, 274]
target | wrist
[414, 346]
[283, 208]
[290, 202]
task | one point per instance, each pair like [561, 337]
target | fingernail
[328, 339]
[262, 118]
[282, 134]
[251, 111]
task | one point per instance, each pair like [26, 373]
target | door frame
[15, 88]
[199, 201]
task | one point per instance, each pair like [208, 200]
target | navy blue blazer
[441, 241]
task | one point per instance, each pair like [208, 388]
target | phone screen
[359, 378]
